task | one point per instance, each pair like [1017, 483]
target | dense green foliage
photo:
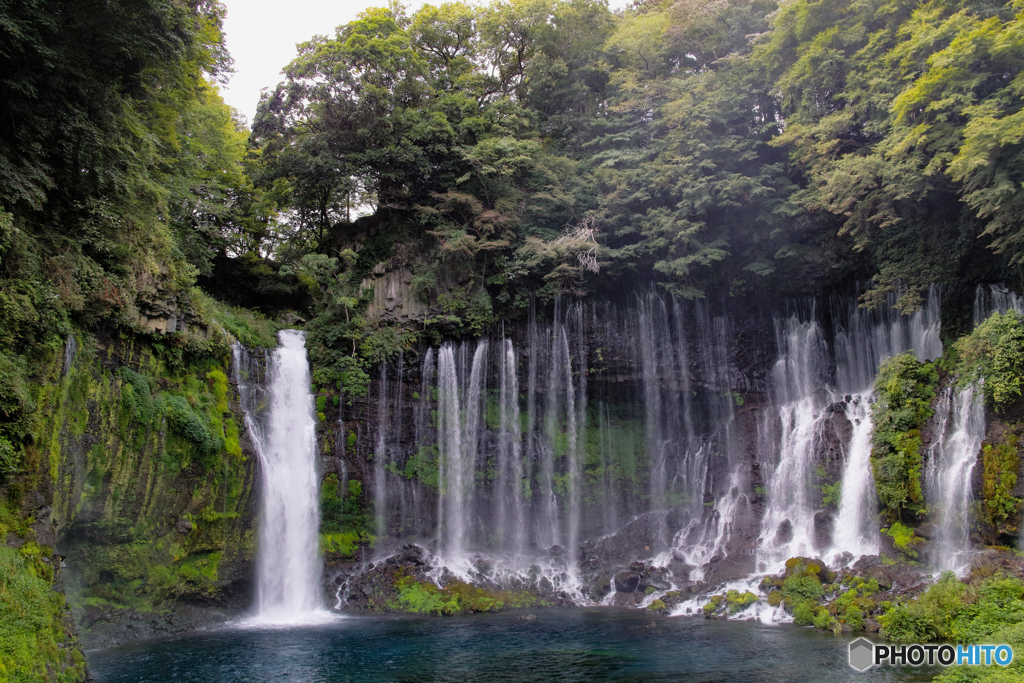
[1000, 465]
[31, 623]
[344, 521]
[994, 352]
[905, 388]
[952, 610]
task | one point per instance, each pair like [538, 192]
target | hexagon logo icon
[862, 654]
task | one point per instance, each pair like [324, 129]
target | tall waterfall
[280, 420]
[787, 528]
[856, 530]
[960, 426]
[863, 339]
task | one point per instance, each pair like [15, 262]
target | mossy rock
[739, 601]
[804, 566]
[713, 605]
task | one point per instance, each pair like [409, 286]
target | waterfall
[451, 475]
[997, 299]
[70, 351]
[380, 455]
[788, 439]
[630, 422]
[280, 420]
[510, 514]
[424, 439]
[855, 528]
[863, 339]
[705, 533]
[960, 426]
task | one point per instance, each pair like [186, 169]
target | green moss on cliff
[994, 352]
[152, 484]
[1001, 463]
[905, 388]
[33, 629]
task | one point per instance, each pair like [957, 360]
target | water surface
[560, 645]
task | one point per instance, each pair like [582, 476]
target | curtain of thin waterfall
[959, 424]
[509, 513]
[788, 450]
[425, 439]
[989, 299]
[380, 454]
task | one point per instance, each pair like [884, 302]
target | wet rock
[823, 524]
[527, 617]
[627, 582]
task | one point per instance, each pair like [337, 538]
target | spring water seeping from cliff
[960, 429]
[280, 420]
[598, 432]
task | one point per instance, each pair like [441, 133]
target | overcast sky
[262, 34]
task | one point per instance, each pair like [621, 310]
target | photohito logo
[864, 654]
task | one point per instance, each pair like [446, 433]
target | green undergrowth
[989, 610]
[904, 538]
[250, 328]
[346, 544]
[33, 631]
[994, 353]
[345, 522]
[456, 597]
[153, 451]
[818, 597]
[905, 388]
[1000, 467]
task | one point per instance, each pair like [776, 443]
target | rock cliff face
[646, 431]
[151, 483]
[595, 452]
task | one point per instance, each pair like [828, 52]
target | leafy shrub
[987, 608]
[739, 601]
[802, 587]
[994, 352]
[929, 616]
[30, 618]
[342, 513]
[905, 388]
[903, 538]
[804, 613]
[16, 405]
[189, 424]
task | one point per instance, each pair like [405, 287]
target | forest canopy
[727, 145]
[504, 152]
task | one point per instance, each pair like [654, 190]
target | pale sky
[262, 35]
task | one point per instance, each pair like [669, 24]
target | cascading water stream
[281, 424]
[995, 299]
[960, 426]
[863, 340]
[790, 435]
[855, 529]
